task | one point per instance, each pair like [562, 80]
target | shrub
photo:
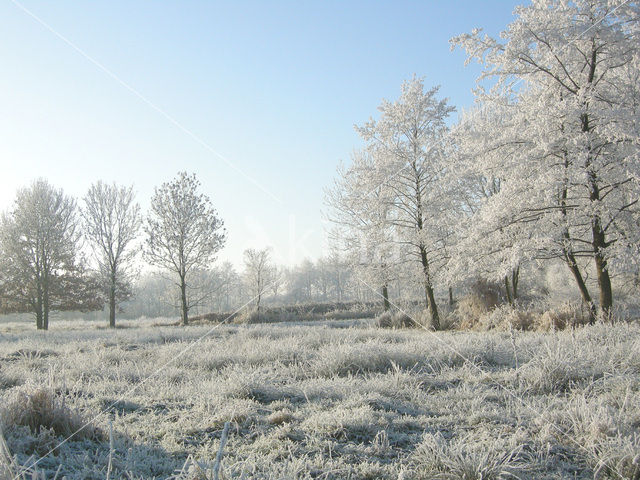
[252, 316]
[400, 319]
[483, 297]
[505, 318]
[384, 320]
[40, 409]
[564, 316]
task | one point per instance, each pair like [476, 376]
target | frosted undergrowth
[318, 402]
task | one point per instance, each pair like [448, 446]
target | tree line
[543, 168]
[60, 255]
[43, 266]
[224, 287]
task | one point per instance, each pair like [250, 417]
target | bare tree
[111, 222]
[257, 269]
[39, 243]
[277, 279]
[183, 232]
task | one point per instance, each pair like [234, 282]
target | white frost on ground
[310, 401]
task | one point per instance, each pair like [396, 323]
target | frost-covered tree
[183, 232]
[111, 223]
[40, 265]
[230, 291]
[407, 141]
[360, 206]
[258, 270]
[483, 248]
[566, 147]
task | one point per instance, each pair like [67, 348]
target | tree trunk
[604, 281]
[112, 301]
[451, 296]
[428, 290]
[183, 301]
[599, 243]
[515, 279]
[259, 298]
[567, 251]
[506, 287]
[584, 292]
[433, 308]
[39, 323]
[45, 306]
[598, 234]
[385, 296]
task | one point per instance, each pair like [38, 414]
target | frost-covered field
[317, 401]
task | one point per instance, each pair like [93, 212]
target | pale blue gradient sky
[275, 87]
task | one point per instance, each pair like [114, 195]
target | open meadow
[327, 400]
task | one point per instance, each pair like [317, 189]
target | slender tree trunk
[515, 279]
[582, 286]
[567, 250]
[435, 317]
[599, 243]
[39, 319]
[604, 280]
[45, 305]
[428, 290]
[39, 323]
[385, 296]
[507, 289]
[183, 300]
[112, 301]
[259, 298]
[451, 296]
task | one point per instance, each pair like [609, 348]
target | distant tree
[111, 223]
[229, 293]
[258, 268]
[153, 296]
[39, 252]
[277, 280]
[183, 232]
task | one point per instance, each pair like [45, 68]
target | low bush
[40, 409]
[397, 320]
[564, 316]
[483, 297]
[505, 318]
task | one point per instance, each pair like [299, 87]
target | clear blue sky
[274, 87]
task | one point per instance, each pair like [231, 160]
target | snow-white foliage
[559, 130]
[361, 214]
[393, 191]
